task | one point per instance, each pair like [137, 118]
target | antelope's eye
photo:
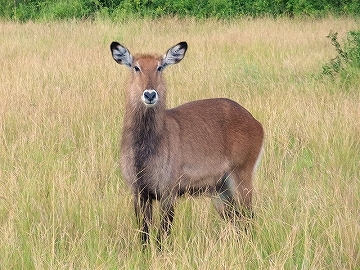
[160, 68]
[136, 68]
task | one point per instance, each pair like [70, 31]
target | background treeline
[23, 10]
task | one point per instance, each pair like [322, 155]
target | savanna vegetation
[63, 203]
[24, 10]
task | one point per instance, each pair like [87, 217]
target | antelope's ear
[121, 54]
[175, 54]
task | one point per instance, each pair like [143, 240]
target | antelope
[209, 146]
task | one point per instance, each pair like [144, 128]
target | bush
[69, 9]
[345, 66]
[24, 10]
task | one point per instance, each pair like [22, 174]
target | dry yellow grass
[63, 203]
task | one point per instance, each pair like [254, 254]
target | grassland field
[63, 203]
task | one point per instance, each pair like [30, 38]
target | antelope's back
[216, 132]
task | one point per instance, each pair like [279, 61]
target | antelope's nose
[150, 97]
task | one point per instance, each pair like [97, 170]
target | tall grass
[63, 203]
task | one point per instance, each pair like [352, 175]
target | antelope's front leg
[167, 216]
[143, 212]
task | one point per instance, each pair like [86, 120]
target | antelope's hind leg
[234, 195]
[243, 191]
[224, 201]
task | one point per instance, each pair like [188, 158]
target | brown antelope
[209, 146]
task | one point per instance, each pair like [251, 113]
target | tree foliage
[346, 64]
[24, 10]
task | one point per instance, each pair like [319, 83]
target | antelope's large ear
[121, 54]
[175, 54]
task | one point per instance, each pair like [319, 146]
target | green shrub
[346, 64]
[67, 9]
[23, 10]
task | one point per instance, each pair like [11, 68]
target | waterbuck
[209, 146]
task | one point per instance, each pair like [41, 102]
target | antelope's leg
[244, 190]
[143, 212]
[224, 201]
[167, 206]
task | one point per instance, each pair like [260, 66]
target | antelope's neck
[145, 126]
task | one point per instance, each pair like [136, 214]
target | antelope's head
[147, 84]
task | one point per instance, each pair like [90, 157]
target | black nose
[149, 96]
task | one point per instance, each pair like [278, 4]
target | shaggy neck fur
[145, 136]
[145, 126]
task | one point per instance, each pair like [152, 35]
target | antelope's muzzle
[150, 97]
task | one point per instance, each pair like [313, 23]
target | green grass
[63, 203]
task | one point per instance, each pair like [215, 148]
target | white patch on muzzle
[150, 97]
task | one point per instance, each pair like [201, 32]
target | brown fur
[207, 146]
